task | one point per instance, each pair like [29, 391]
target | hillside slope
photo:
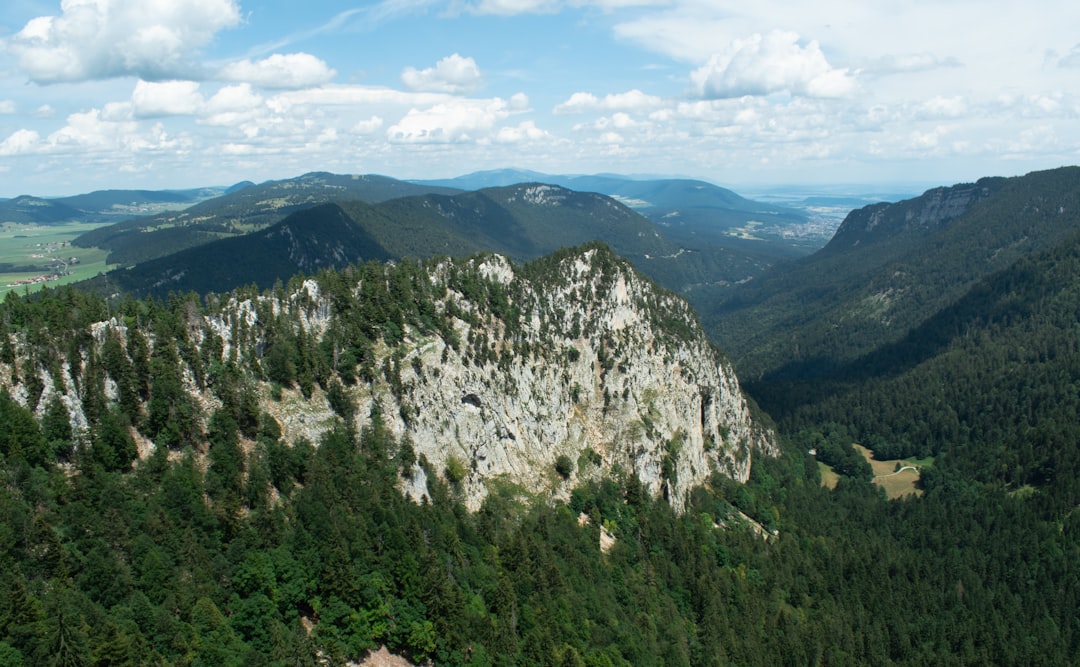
[238, 212]
[491, 371]
[522, 222]
[889, 268]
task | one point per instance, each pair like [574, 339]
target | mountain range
[418, 421]
[259, 234]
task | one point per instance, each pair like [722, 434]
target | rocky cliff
[930, 212]
[543, 375]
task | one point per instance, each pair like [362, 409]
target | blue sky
[180, 93]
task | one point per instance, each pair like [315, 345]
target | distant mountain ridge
[890, 267]
[243, 209]
[98, 206]
[935, 209]
[523, 222]
[652, 192]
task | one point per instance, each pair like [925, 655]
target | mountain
[239, 211]
[491, 367]
[690, 211]
[321, 237]
[889, 268]
[98, 206]
[982, 383]
[523, 222]
[35, 210]
[474, 461]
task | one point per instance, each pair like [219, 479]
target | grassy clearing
[899, 477]
[28, 251]
[829, 478]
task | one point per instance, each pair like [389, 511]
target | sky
[160, 94]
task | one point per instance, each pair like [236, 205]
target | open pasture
[30, 251]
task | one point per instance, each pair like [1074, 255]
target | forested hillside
[891, 267]
[229, 543]
[522, 222]
[249, 477]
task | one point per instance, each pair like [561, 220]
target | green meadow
[28, 251]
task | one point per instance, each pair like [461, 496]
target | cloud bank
[101, 39]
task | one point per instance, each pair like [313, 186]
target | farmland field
[28, 252]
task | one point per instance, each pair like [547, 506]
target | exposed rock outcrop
[931, 211]
[570, 368]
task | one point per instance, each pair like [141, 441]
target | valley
[35, 255]
[536, 423]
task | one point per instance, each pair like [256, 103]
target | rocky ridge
[931, 211]
[570, 368]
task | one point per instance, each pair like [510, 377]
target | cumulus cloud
[773, 63]
[368, 126]
[453, 74]
[169, 98]
[7, 107]
[524, 132]
[101, 39]
[20, 142]
[617, 121]
[451, 122]
[234, 106]
[93, 129]
[633, 100]
[282, 71]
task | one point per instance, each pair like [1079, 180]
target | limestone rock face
[541, 376]
[933, 210]
[598, 366]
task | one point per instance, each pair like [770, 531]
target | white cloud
[633, 100]
[100, 39]
[524, 132]
[7, 107]
[453, 74]
[907, 63]
[514, 7]
[91, 129]
[235, 106]
[44, 111]
[368, 126]
[617, 121]
[455, 121]
[171, 98]
[234, 98]
[331, 95]
[773, 63]
[943, 107]
[20, 142]
[288, 71]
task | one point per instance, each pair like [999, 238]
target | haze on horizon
[125, 94]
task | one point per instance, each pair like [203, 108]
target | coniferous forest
[229, 546]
